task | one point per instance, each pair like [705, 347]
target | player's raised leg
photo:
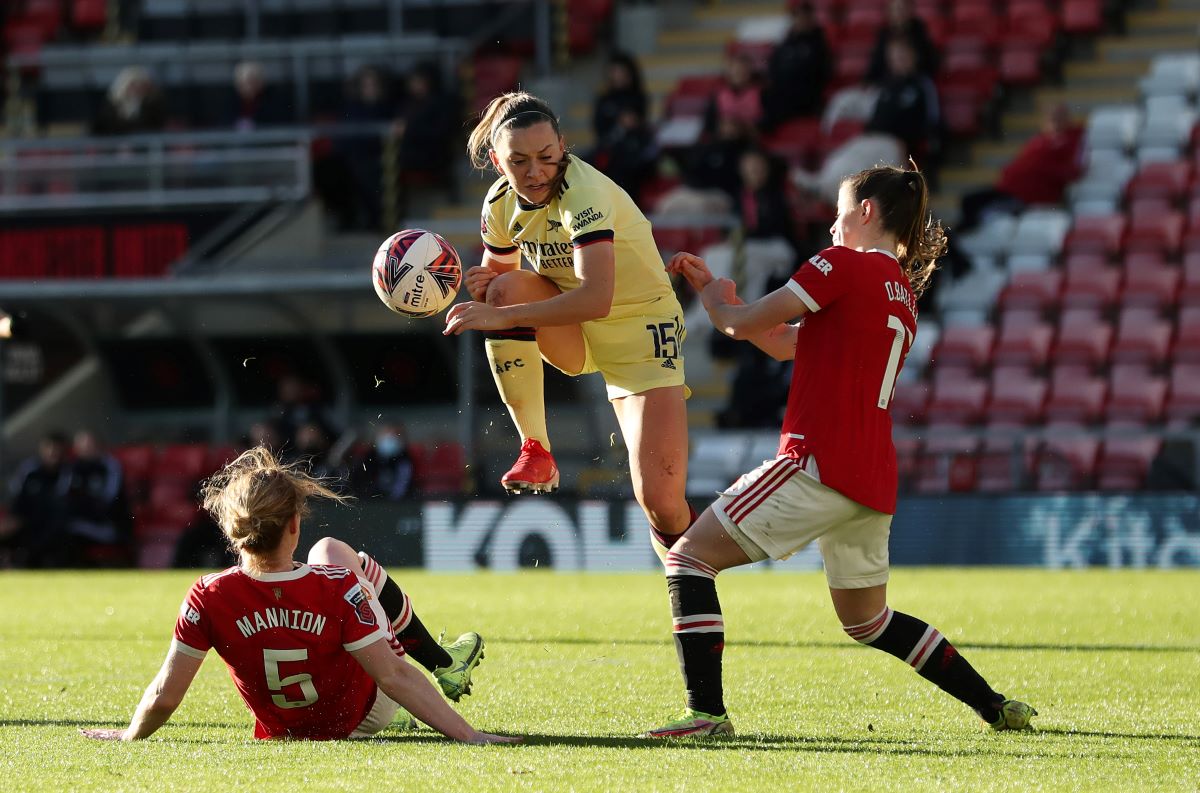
[654, 426]
[698, 626]
[866, 618]
[515, 356]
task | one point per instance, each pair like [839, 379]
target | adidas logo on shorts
[668, 364]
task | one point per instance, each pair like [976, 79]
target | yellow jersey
[588, 208]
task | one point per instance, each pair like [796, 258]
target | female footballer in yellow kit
[597, 299]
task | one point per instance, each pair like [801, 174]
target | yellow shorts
[636, 353]
[780, 507]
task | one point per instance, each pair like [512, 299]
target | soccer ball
[416, 273]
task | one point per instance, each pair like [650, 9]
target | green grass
[580, 664]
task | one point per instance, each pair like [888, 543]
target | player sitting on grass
[310, 648]
[834, 479]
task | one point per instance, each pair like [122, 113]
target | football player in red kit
[310, 647]
[834, 479]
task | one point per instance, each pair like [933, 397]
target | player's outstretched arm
[751, 321]
[162, 697]
[408, 687]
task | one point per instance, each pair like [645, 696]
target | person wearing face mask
[386, 470]
[596, 299]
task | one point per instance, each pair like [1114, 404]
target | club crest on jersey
[360, 598]
[278, 592]
[553, 225]
[821, 263]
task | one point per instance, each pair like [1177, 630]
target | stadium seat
[185, 462]
[137, 461]
[1134, 396]
[1183, 399]
[715, 461]
[1154, 230]
[1030, 21]
[1091, 289]
[1040, 231]
[1142, 336]
[1022, 342]
[958, 401]
[1066, 462]
[1150, 285]
[89, 15]
[1187, 337]
[444, 473]
[1017, 396]
[1020, 62]
[796, 141]
[947, 463]
[909, 403]
[1164, 181]
[1075, 396]
[907, 456]
[1172, 74]
[970, 346]
[1083, 17]
[1189, 288]
[1112, 127]
[1035, 291]
[1005, 461]
[1096, 234]
[1124, 462]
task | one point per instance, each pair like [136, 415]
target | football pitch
[581, 663]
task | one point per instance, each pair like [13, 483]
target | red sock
[668, 540]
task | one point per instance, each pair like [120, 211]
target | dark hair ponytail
[902, 196]
[515, 110]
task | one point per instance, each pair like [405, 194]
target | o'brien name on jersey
[295, 619]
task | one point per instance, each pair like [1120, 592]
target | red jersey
[849, 350]
[285, 638]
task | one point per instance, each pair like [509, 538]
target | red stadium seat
[1022, 342]
[1152, 286]
[217, 458]
[1032, 290]
[1189, 289]
[1066, 463]
[1017, 396]
[186, 462]
[1155, 230]
[958, 401]
[1075, 396]
[1135, 396]
[947, 463]
[137, 461]
[1083, 17]
[1005, 462]
[1097, 234]
[89, 15]
[1084, 338]
[444, 472]
[1030, 20]
[970, 345]
[852, 59]
[907, 453]
[1183, 400]
[1142, 336]
[909, 403]
[1187, 337]
[1161, 181]
[1124, 462]
[863, 21]
[1020, 62]
[147, 250]
[1091, 289]
[796, 141]
[1085, 263]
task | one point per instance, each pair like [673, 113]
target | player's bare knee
[665, 511]
[329, 550]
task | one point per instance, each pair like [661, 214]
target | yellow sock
[517, 369]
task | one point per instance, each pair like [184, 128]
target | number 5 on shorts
[666, 345]
[888, 387]
[271, 661]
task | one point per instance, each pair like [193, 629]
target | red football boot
[534, 472]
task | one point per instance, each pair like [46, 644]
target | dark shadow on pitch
[849, 645]
[1124, 736]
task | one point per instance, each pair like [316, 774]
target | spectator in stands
[427, 127]
[32, 533]
[99, 523]
[315, 447]
[902, 23]
[255, 103]
[386, 471]
[907, 107]
[739, 98]
[134, 104]
[350, 180]
[797, 70]
[298, 405]
[1039, 174]
[622, 92]
[629, 153]
[711, 179]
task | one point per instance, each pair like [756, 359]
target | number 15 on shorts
[665, 336]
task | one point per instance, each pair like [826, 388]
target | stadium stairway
[1104, 72]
